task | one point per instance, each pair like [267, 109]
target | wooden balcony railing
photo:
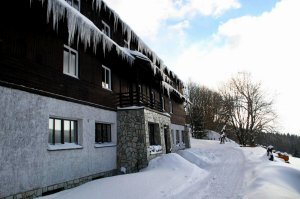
[138, 99]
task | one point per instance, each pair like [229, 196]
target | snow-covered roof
[91, 36]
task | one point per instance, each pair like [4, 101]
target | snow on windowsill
[65, 146]
[107, 144]
[155, 149]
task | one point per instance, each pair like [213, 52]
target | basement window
[63, 134]
[102, 133]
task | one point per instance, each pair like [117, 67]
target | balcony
[138, 99]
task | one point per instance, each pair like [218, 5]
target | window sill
[154, 153]
[68, 146]
[105, 145]
[108, 89]
[70, 75]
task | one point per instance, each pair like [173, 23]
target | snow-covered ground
[207, 170]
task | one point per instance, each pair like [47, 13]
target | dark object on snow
[269, 149]
[223, 136]
[271, 157]
[283, 156]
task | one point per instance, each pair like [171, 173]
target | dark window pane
[98, 133]
[177, 136]
[66, 61]
[72, 64]
[73, 131]
[67, 130]
[151, 134]
[108, 133]
[57, 131]
[107, 76]
[102, 133]
[50, 139]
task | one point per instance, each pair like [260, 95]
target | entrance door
[167, 139]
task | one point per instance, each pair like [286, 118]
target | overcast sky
[208, 41]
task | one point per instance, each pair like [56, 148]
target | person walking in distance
[223, 135]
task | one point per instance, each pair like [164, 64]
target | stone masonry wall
[162, 120]
[131, 151]
[133, 137]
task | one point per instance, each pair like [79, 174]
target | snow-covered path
[208, 170]
[226, 168]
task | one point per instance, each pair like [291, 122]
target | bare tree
[247, 108]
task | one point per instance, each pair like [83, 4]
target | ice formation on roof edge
[89, 33]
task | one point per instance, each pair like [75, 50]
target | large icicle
[170, 89]
[87, 31]
[89, 34]
[98, 4]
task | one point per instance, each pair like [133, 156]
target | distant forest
[281, 142]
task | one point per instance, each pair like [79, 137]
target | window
[126, 44]
[74, 3]
[62, 131]
[106, 78]
[182, 137]
[177, 137]
[154, 134]
[171, 106]
[102, 133]
[70, 61]
[106, 29]
[174, 136]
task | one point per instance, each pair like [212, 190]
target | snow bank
[275, 181]
[165, 177]
[208, 170]
[197, 143]
[202, 159]
[271, 179]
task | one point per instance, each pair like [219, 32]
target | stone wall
[131, 151]
[133, 137]
[60, 186]
[162, 120]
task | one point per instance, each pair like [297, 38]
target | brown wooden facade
[31, 59]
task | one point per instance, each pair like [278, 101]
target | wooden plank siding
[31, 55]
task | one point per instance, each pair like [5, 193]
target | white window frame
[71, 2]
[106, 29]
[104, 81]
[67, 70]
[126, 44]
